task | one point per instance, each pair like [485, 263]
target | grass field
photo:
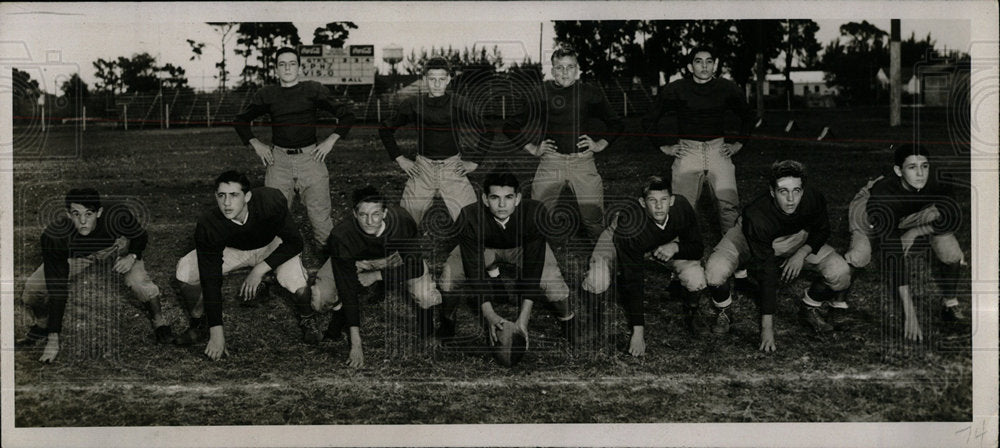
[111, 373]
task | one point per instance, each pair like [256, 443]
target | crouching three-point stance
[91, 232]
[379, 242]
[666, 230]
[249, 228]
[503, 228]
[780, 233]
[911, 206]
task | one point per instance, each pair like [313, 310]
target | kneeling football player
[912, 205]
[504, 228]
[90, 232]
[250, 228]
[666, 230]
[779, 233]
[378, 242]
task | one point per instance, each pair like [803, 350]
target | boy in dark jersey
[913, 205]
[559, 126]
[664, 229]
[248, 228]
[780, 233]
[440, 165]
[295, 161]
[92, 231]
[505, 228]
[377, 243]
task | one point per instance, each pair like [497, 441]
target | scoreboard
[354, 65]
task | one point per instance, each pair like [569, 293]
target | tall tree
[225, 31]
[333, 34]
[76, 92]
[262, 40]
[109, 75]
[853, 65]
[800, 43]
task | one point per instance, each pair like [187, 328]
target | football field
[110, 371]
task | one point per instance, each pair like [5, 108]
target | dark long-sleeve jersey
[563, 114]
[60, 241]
[631, 245]
[764, 222]
[700, 110]
[890, 202]
[348, 244]
[268, 217]
[479, 230]
[444, 126]
[293, 112]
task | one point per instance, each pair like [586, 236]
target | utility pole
[895, 77]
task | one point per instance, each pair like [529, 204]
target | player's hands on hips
[408, 166]
[465, 167]
[666, 252]
[323, 148]
[637, 346]
[124, 264]
[545, 147]
[51, 348]
[588, 144]
[767, 333]
[216, 346]
[792, 266]
[263, 151]
[678, 150]
[730, 149]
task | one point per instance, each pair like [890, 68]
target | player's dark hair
[233, 176]
[501, 177]
[700, 49]
[655, 183]
[906, 150]
[564, 51]
[437, 63]
[367, 194]
[89, 198]
[786, 168]
[291, 50]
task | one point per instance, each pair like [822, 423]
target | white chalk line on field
[895, 377]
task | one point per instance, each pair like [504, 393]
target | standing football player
[248, 228]
[912, 205]
[560, 126]
[92, 231]
[702, 152]
[780, 233]
[377, 243]
[295, 161]
[666, 230]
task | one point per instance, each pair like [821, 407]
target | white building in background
[804, 83]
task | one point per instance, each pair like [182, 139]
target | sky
[54, 40]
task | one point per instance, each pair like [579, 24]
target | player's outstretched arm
[51, 348]
[637, 345]
[356, 358]
[767, 333]
[216, 346]
[911, 325]
[249, 288]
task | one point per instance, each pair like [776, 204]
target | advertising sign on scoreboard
[354, 65]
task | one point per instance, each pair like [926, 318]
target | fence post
[167, 106]
[503, 107]
[125, 116]
[625, 104]
[208, 112]
[84, 118]
[378, 109]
